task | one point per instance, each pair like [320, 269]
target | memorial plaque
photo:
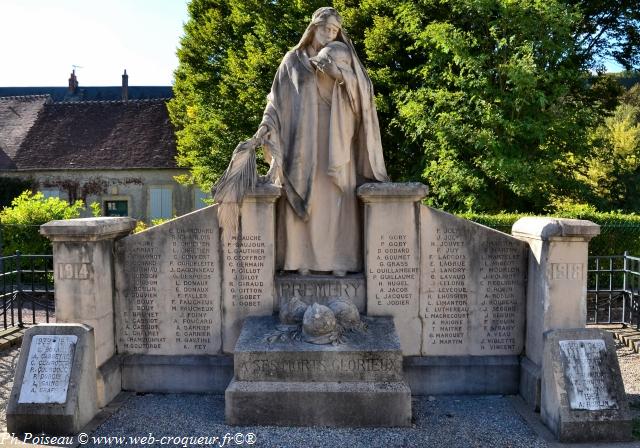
[584, 364]
[472, 287]
[55, 383]
[582, 395]
[168, 288]
[48, 369]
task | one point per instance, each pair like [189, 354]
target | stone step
[374, 355]
[355, 404]
[320, 288]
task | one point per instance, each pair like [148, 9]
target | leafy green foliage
[96, 209]
[612, 170]
[20, 223]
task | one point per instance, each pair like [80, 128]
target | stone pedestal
[392, 256]
[248, 264]
[583, 397]
[295, 383]
[556, 288]
[54, 391]
[84, 277]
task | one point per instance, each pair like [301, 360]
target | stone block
[462, 375]
[371, 356]
[557, 276]
[583, 397]
[54, 389]
[530, 383]
[109, 381]
[392, 257]
[321, 288]
[168, 281]
[248, 264]
[355, 404]
[176, 374]
[472, 298]
[83, 270]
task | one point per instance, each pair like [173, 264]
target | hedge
[619, 232]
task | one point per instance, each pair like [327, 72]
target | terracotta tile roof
[99, 134]
[17, 115]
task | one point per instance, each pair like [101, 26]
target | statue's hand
[261, 133]
[332, 70]
[272, 175]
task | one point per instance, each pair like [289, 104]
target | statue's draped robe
[327, 134]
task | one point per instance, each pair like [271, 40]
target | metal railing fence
[26, 289]
[613, 290]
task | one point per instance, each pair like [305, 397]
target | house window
[116, 208]
[200, 196]
[51, 192]
[161, 203]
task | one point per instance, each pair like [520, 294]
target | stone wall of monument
[168, 280]
[472, 293]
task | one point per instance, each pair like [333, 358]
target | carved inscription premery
[46, 377]
[584, 364]
[169, 288]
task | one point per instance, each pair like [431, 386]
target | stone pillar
[248, 260]
[84, 282]
[392, 256]
[556, 287]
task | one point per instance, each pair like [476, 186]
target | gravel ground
[487, 421]
[8, 362]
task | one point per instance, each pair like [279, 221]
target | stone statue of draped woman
[321, 117]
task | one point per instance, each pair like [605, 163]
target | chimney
[125, 86]
[73, 83]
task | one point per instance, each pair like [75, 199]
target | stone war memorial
[322, 294]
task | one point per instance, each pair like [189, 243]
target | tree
[484, 100]
[613, 168]
[608, 29]
[20, 223]
[490, 94]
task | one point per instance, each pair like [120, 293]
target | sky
[41, 41]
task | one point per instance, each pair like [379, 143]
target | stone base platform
[176, 374]
[295, 383]
[462, 375]
[359, 404]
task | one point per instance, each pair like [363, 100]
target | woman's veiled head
[325, 27]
